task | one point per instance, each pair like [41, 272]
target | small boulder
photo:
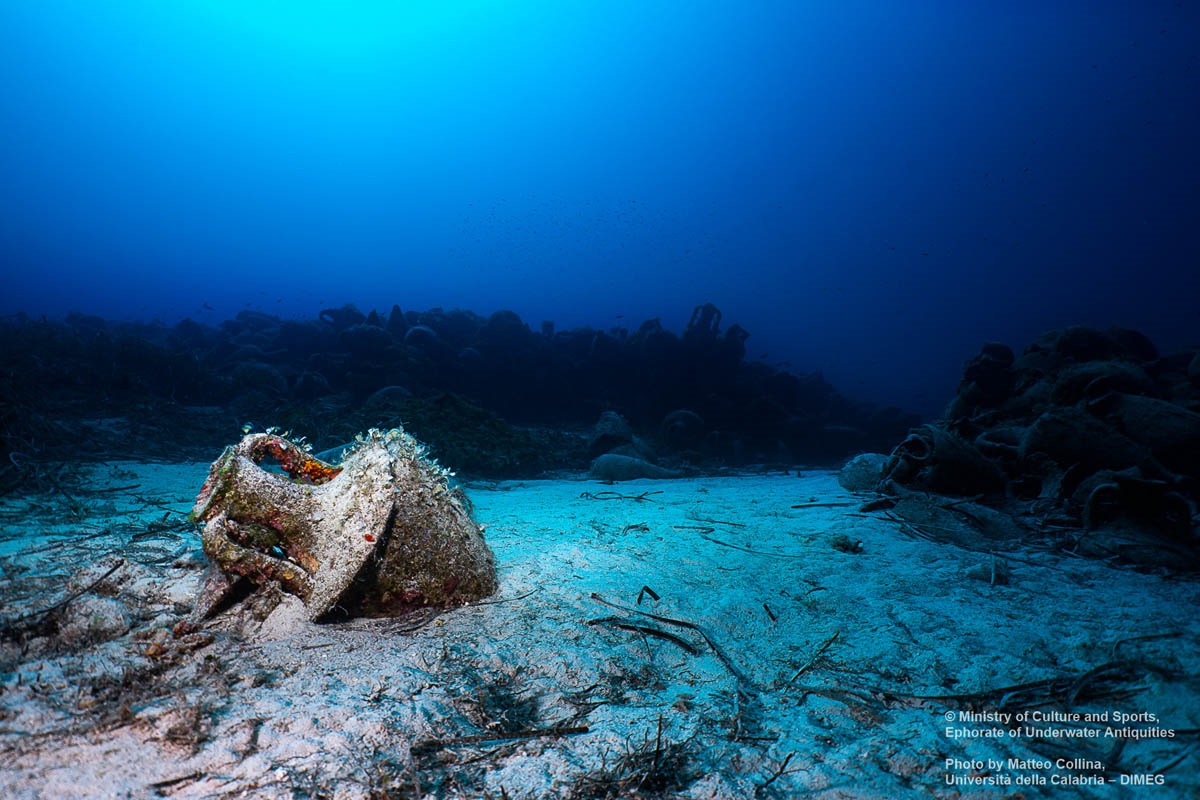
[863, 472]
[92, 620]
[682, 429]
[613, 467]
[609, 432]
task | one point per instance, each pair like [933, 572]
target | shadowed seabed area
[512, 400]
[1012, 584]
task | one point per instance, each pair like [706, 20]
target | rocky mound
[1089, 439]
[89, 387]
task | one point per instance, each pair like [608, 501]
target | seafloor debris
[1089, 440]
[380, 534]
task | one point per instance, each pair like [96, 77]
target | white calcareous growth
[380, 534]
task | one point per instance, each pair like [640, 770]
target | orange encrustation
[298, 464]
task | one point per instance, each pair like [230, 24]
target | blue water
[872, 189]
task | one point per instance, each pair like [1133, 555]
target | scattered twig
[974, 518]
[643, 497]
[813, 659]
[163, 504]
[843, 695]
[433, 744]
[655, 768]
[65, 541]
[11, 478]
[1019, 696]
[162, 530]
[505, 599]
[156, 556]
[1119, 669]
[923, 529]
[716, 522]
[715, 540]
[742, 678]
[1147, 637]
[777, 775]
[115, 489]
[1187, 751]
[172, 782]
[646, 590]
[649, 630]
[949, 504]
[825, 505]
[73, 595]
[878, 504]
[1062, 689]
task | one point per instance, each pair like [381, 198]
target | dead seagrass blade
[380, 534]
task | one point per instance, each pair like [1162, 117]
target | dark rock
[704, 324]
[505, 330]
[342, 318]
[605, 350]
[257, 376]
[1135, 519]
[997, 353]
[1095, 378]
[614, 467]
[423, 337]
[1085, 425]
[1029, 401]
[939, 460]
[610, 431]
[682, 429]
[749, 411]
[734, 343]
[365, 340]
[1001, 444]
[456, 327]
[88, 323]
[988, 379]
[1079, 343]
[863, 472]
[471, 360]
[657, 345]
[91, 620]
[1073, 437]
[1133, 345]
[396, 324]
[1170, 432]
[637, 448]
[429, 343]
[470, 439]
[387, 396]
[189, 333]
[299, 338]
[257, 320]
[310, 385]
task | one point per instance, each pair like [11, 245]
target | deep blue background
[873, 189]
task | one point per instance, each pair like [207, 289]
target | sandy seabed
[731, 637]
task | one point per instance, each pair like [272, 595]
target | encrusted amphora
[379, 534]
